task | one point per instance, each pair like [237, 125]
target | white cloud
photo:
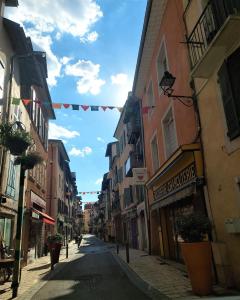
[91, 37]
[100, 139]
[80, 152]
[59, 132]
[119, 79]
[65, 60]
[88, 73]
[98, 181]
[70, 17]
[52, 19]
[58, 36]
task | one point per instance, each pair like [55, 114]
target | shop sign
[139, 176]
[35, 215]
[175, 183]
[38, 200]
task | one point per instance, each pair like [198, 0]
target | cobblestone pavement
[167, 277]
[34, 272]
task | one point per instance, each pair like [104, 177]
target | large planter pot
[55, 249]
[198, 259]
[16, 145]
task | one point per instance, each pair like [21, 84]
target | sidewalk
[34, 272]
[167, 277]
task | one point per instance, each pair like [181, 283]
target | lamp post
[18, 239]
[18, 244]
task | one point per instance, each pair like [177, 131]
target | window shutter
[228, 103]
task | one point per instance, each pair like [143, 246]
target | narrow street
[95, 275]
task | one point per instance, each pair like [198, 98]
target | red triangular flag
[85, 107]
[145, 109]
[66, 105]
[26, 101]
[104, 107]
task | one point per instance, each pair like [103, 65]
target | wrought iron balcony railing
[210, 22]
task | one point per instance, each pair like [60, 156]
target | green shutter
[232, 119]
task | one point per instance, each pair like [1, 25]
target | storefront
[177, 189]
[130, 228]
[36, 224]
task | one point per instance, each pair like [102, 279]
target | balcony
[135, 160]
[133, 130]
[214, 35]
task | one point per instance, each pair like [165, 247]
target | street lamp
[166, 84]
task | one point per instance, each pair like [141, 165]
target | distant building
[61, 190]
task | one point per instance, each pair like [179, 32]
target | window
[154, 149]
[2, 72]
[140, 193]
[230, 89]
[128, 198]
[10, 191]
[150, 97]
[162, 63]
[127, 166]
[169, 134]
[120, 175]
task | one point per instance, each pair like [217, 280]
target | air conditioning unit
[232, 225]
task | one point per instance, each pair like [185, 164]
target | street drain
[90, 280]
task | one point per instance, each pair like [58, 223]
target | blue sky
[92, 49]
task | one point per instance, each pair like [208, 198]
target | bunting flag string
[94, 192]
[55, 105]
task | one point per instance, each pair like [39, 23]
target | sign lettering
[182, 178]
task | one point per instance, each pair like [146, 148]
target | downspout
[145, 191]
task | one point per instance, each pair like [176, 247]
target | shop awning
[44, 217]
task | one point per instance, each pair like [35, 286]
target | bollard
[67, 251]
[117, 249]
[127, 252]
[52, 258]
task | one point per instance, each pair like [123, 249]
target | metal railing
[211, 20]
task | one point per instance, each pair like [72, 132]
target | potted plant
[54, 244]
[15, 140]
[196, 250]
[29, 160]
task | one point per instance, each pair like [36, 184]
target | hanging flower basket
[15, 140]
[29, 161]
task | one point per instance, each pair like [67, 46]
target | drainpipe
[145, 191]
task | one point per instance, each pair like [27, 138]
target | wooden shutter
[233, 63]
[228, 103]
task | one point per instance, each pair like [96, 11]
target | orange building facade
[171, 127]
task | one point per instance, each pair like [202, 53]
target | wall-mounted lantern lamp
[166, 84]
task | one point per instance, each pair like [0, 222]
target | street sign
[139, 176]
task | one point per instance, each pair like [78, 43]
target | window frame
[168, 111]
[161, 52]
[154, 137]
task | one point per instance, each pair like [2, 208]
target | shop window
[151, 98]
[169, 134]
[154, 149]
[6, 230]
[10, 191]
[230, 89]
